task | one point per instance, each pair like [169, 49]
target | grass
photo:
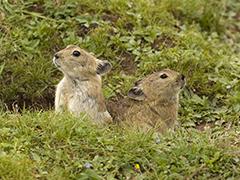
[198, 38]
[44, 145]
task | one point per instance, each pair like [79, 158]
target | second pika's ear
[103, 67]
[136, 93]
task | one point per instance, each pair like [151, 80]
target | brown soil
[83, 30]
[109, 16]
[38, 8]
[163, 41]
[21, 101]
[127, 63]
[204, 126]
[129, 26]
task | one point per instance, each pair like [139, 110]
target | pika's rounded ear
[103, 67]
[136, 93]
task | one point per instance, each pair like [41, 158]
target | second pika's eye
[163, 76]
[76, 53]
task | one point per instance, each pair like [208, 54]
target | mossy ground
[201, 39]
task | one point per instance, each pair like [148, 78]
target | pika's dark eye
[163, 76]
[76, 53]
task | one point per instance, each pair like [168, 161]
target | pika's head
[75, 62]
[165, 84]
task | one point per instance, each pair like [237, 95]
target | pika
[80, 90]
[152, 103]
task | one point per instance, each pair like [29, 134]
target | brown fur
[152, 103]
[80, 90]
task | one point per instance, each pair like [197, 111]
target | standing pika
[152, 103]
[80, 90]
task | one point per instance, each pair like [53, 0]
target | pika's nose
[182, 77]
[56, 56]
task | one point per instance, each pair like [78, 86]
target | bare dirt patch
[38, 8]
[127, 63]
[204, 126]
[163, 41]
[109, 16]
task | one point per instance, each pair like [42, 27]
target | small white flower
[88, 165]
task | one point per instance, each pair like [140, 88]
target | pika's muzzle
[55, 60]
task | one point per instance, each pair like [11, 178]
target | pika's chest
[79, 100]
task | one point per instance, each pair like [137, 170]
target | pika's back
[154, 104]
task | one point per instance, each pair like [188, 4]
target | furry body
[152, 103]
[80, 90]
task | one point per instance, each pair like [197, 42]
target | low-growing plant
[46, 145]
[197, 38]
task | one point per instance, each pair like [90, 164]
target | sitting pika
[80, 90]
[152, 103]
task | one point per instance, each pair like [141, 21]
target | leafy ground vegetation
[201, 39]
